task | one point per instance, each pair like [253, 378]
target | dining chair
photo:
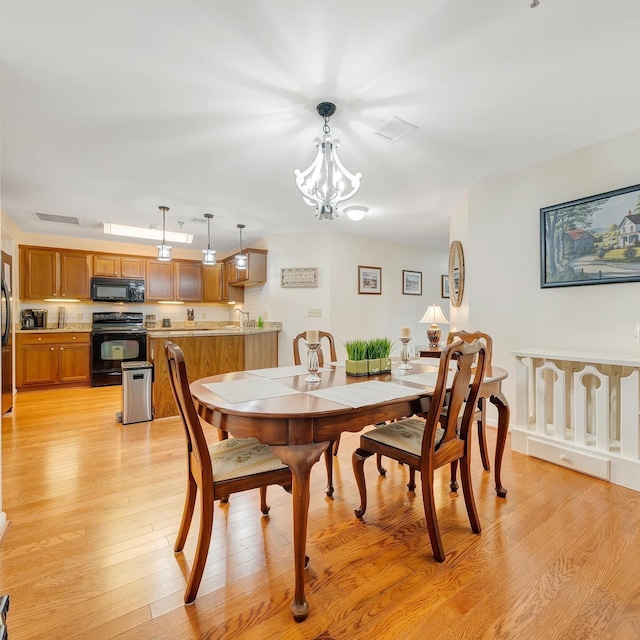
[216, 470]
[329, 342]
[480, 415]
[424, 445]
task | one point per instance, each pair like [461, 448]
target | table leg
[500, 402]
[300, 458]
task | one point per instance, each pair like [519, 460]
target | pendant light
[164, 250]
[209, 253]
[241, 258]
[323, 184]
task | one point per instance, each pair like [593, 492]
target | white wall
[345, 313]
[502, 258]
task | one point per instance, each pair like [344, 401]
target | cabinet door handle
[73, 338]
[52, 349]
[39, 338]
[61, 349]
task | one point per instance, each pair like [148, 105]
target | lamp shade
[434, 315]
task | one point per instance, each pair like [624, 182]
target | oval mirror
[456, 273]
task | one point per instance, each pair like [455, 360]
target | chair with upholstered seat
[326, 339]
[217, 470]
[424, 445]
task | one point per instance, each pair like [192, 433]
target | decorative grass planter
[368, 357]
[356, 367]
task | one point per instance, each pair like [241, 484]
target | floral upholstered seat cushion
[405, 435]
[237, 457]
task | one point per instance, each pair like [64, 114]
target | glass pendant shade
[326, 184]
[164, 250]
[209, 256]
[241, 259]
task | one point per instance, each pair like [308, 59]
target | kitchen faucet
[247, 322]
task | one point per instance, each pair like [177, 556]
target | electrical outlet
[314, 313]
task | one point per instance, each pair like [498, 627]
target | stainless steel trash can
[137, 382]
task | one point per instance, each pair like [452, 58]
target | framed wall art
[412, 283]
[297, 277]
[593, 240]
[370, 280]
[444, 286]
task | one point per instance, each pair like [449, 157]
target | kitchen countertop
[178, 332]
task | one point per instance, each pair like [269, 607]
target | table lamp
[434, 333]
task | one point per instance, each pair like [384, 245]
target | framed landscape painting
[594, 240]
[370, 280]
[412, 283]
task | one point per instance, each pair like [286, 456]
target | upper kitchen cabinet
[118, 266]
[54, 273]
[215, 287]
[177, 281]
[255, 273]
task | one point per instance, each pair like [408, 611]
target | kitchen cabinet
[114, 266]
[215, 287]
[54, 273]
[45, 359]
[177, 281]
[255, 273]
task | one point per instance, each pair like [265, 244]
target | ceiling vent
[394, 129]
[199, 220]
[49, 217]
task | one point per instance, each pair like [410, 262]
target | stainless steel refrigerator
[6, 326]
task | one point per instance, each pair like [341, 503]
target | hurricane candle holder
[405, 354]
[312, 362]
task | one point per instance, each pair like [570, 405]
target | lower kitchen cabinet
[46, 359]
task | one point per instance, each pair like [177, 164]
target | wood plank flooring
[94, 507]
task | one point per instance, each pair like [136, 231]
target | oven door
[110, 350]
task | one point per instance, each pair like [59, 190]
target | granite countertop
[170, 332]
[182, 332]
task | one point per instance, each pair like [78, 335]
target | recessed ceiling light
[144, 232]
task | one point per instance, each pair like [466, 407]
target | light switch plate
[314, 313]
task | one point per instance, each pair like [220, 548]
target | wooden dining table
[299, 427]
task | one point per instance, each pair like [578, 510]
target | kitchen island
[207, 352]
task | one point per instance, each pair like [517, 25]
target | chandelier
[324, 183]
[209, 256]
[164, 250]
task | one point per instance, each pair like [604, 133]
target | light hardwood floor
[94, 509]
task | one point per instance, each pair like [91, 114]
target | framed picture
[370, 280]
[412, 283]
[594, 240]
[444, 286]
[297, 277]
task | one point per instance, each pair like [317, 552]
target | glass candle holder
[312, 362]
[405, 354]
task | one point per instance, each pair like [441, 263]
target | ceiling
[111, 109]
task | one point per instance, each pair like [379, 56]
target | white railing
[580, 410]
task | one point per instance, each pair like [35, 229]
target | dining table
[299, 419]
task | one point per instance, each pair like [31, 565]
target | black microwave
[117, 290]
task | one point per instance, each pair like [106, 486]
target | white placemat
[428, 379]
[364, 393]
[249, 389]
[284, 372]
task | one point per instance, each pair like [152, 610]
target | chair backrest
[323, 336]
[197, 448]
[467, 336]
[463, 389]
